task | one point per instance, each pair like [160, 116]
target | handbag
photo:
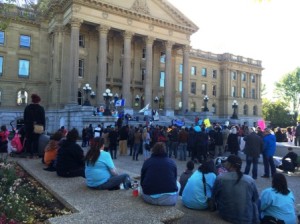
[38, 129]
[211, 204]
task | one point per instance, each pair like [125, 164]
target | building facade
[139, 49]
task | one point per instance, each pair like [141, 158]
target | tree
[278, 113]
[288, 88]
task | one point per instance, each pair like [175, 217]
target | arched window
[214, 108]
[255, 110]
[79, 98]
[22, 97]
[193, 107]
[245, 109]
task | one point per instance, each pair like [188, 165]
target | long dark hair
[279, 183]
[94, 152]
[236, 162]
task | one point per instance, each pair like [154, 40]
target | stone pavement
[92, 206]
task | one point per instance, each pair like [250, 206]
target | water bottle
[135, 187]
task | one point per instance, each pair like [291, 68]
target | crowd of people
[215, 184]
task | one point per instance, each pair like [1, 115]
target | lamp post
[137, 100]
[205, 103]
[156, 99]
[107, 95]
[87, 89]
[235, 107]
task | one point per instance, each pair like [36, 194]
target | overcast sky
[266, 31]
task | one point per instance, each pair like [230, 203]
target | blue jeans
[254, 161]
[173, 149]
[269, 163]
[114, 182]
[136, 148]
[182, 147]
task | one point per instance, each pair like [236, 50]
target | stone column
[185, 79]
[127, 69]
[168, 80]
[74, 61]
[102, 62]
[149, 62]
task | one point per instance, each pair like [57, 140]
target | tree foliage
[288, 88]
[278, 113]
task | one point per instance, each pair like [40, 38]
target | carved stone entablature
[140, 6]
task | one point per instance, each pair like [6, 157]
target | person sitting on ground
[51, 151]
[289, 161]
[236, 194]
[278, 202]
[3, 139]
[100, 171]
[198, 187]
[70, 158]
[186, 175]
[159, 178]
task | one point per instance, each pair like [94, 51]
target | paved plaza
[91, 206]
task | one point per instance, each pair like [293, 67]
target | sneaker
[264, 176]
[127, 183]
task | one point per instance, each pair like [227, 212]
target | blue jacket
[269, 145]
[159, 175]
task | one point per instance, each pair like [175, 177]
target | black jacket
[253, 145]
[33, 113]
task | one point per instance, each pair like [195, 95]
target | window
[245, 110]
[233, 91]
[243, 76]
[2, 38]
[193, 70]
[25, 41]
[1, 65]
[162, 57]
[24, 67]
[255, 110]
[243, 92]
[162, 79]
[143, 73]
[81, 68]
[214, 74]
[203, 89]
[253, 78]
[233, 75]
[253, 93]
[79, 98]
[214, 90]
[180, 68]
[204, 72]
[193, 87]
[22, 97]
[144, 53]
[81, 41]
[180, 86]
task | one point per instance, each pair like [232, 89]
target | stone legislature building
[139, 49]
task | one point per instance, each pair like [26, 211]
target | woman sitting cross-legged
[194, 195]
[100, 171]
[278, 202]
[70, 158]
[159, 178]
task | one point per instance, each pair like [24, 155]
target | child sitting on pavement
[186, 175]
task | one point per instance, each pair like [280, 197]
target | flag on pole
[120, 103]
[145, 108]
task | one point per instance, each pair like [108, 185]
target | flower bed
[23, 199]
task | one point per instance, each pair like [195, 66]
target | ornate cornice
[140, 6]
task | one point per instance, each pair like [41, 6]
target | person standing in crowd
[201, 144]
[106, 139]
[173, 137]
[34, 113]
[233, 141]
[199, 187]
[146, 141]
[84, 137]
[253, 149]
[70, 158]
[278, 202]
[113, 140]
[236, 194]
[297, 134]
[97, 131]
[100, 170]
[218, 139]
[280, 136]
[130, 141]
[159, 178]
[269, 149]
[89, 134]
[186, 175]
[123, 137]
[137, 139]
[182, 147]
[225, 134]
